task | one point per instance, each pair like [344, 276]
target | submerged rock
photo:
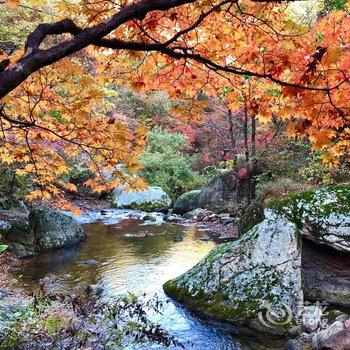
[250, 282]
[322, 215]
[151, 199]
[186, 202]
[94, 290]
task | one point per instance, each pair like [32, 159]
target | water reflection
[138, 258]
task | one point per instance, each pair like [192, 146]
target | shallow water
[136, 257]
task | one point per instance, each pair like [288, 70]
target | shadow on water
[138, 258]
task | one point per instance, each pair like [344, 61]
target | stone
[342, 318]
[55, 230]
[52, 284]
[225, 193]
[13, 204]
[174, 218]
[4, 227]
[186, 202]
[251, 282]
[151, 199]
[94, 290]
[338, 341]
[325, 274]
[195, 214]
[293, 344]
[322, 215]
[22, 251]
[20, 232]
[311, 318]
[90, 262]
[149, 217]
[321, 337]
[177, 239]
[14, 270]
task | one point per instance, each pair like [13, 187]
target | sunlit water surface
[138, 257]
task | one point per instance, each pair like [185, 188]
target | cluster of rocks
[322, 331]
[258, 282]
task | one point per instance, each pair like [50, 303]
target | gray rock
[323, 215]
[325, 274]
[338, 341]
[149, 217]
[342, 318]
[90, 262]
[186, 202]
[174, 218]
[151, 199]
[94, 290]
[14, 270]
[13, 204]
[235, 281]
[311, 318]
[294, 344]
[22, 251]
[321, 337]
[195, 214]
[177, 239]
[20, 232]
[55, 230]
[225, 193]
[4, 227]
[11, 311]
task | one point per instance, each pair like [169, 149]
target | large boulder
[151, 199]
[225, 193]
[21, 240]
[254, 282]
[322, 215]
[47, 230]
[55, 230]
[186, 202]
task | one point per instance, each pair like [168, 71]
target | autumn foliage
[252, 56]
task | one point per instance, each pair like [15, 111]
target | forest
[175, 174]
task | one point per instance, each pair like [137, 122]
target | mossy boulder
[322, 215]
[55, 230]
[151, 199]
[186, 202]
[243, 281]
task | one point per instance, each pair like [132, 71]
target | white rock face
[254, 281]
[323, 215]
[151, 199]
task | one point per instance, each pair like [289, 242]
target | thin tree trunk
[233, 141]
[253, 159]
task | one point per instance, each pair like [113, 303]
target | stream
[138, 257]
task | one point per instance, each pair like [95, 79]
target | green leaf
[3, 247]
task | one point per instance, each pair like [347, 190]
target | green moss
[314, 205]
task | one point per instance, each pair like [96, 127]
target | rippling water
[137, 257]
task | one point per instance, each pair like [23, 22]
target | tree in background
[53, 92]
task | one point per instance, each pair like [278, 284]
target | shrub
[166, 165]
